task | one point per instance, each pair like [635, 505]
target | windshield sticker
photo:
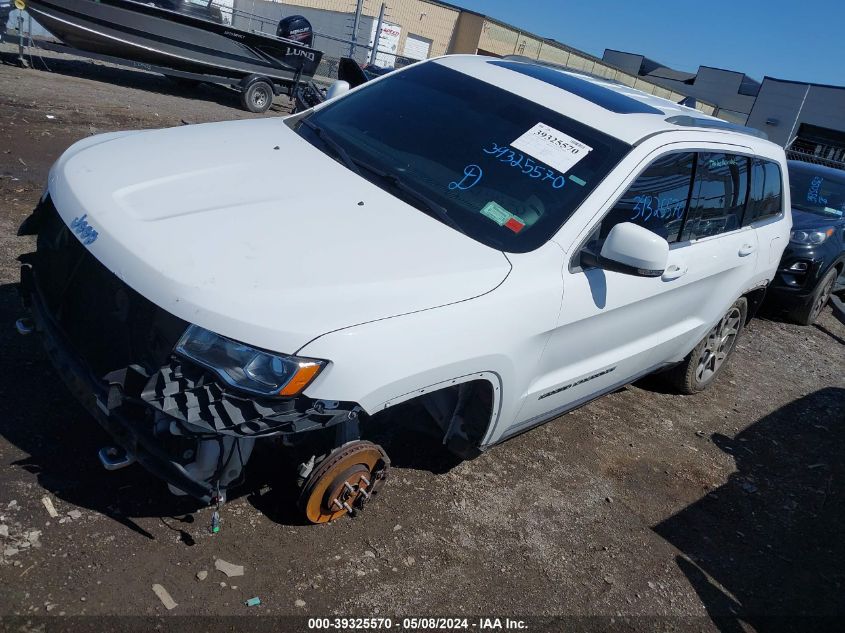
[496, 212]
[526, 165]
[577, 180]
[472, 174]
[502, 216]
[552, 146]
[835, 212]
[716, 163]
[515, 224]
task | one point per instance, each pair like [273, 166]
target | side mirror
[634, 250]
[336, 89]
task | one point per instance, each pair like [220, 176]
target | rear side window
[766, 199]
[657, 199]
[718, 196]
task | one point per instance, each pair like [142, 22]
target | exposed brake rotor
[344, 481]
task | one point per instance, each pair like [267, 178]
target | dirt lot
[727, 504]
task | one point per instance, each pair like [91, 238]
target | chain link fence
[335, 33]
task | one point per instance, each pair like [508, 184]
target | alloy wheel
[720, 342]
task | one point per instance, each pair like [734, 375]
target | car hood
[246, 229]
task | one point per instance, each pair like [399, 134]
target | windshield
[817, 192]
[502, 169]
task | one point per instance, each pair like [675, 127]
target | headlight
[248, 368]
[810, 237]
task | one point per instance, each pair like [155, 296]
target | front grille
[108, 325]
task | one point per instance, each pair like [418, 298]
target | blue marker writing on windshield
[472, 174]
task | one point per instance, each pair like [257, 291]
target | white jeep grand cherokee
[497, 241]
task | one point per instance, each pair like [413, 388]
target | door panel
[631, 325]
[615, 327]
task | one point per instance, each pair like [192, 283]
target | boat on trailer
[179, 36]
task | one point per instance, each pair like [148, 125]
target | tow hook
[24, 326]
[115, 457]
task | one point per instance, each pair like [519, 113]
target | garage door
[416, 47]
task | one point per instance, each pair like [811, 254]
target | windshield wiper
[430, 205]
[336, 147]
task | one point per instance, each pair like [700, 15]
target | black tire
[808, 314]
[703, 364]
[258, 96]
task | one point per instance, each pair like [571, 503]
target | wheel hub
[344, 481]
[260, 98]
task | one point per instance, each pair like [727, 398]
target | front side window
[766, 198]
[500, 168]
[718, 196]
[657, 199]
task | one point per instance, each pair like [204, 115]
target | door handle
[673, 272]
[746, 249]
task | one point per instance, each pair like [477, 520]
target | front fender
[498, 336]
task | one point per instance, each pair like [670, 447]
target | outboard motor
[296, 28]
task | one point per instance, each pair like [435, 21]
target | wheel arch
[247, 81]
[465, 407]
[755, 298]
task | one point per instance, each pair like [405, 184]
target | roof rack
[692, 121]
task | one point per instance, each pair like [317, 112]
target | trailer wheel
[258, 96]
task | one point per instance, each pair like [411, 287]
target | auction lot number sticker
[552, 146]
[416, 624]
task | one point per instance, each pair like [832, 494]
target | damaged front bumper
[176, 420]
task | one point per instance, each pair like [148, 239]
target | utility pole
[358, 9]
[377, 38]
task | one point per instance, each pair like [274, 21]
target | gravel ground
[710, 510]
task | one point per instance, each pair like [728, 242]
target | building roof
[655, 71]
[802, 83]
[749, 87]
[664, 72]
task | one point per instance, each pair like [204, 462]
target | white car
[497, 241]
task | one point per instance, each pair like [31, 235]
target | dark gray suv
[813, 265]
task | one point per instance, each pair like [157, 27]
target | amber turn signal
[303, 376]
